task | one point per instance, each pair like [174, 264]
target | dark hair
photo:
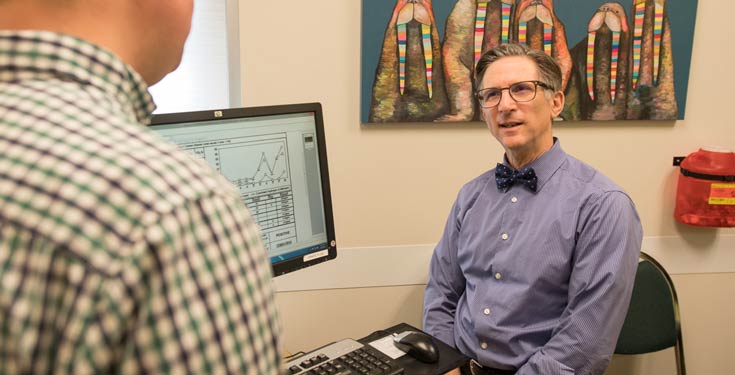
[548, 69]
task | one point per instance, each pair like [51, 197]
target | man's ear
[557, 104]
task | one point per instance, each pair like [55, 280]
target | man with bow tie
[534, 271]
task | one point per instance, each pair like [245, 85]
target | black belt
[474, 368]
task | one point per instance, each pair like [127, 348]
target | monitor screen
[276, 158]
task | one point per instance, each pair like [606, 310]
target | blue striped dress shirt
[539, 281]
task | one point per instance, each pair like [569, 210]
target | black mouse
[417, 345]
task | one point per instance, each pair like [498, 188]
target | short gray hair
[548, 69]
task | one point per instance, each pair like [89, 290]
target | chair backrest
[652, 322]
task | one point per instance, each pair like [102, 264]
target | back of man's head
[147, 34]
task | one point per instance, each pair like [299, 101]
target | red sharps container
[705, 193]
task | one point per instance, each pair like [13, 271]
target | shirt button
[483, 345]
[498, 276]
[504, 236]
[486, 311]
[514, 199]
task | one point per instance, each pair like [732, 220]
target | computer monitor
[277, 159]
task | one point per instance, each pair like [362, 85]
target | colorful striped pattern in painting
[658, 21]
[401, 29]
[614, 64]
[428, 56]
[547, 38]
[480, 16]
[591, 64]
[640, 12]
[505, 22]
[522, 32]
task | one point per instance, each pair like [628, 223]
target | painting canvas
[620, 60]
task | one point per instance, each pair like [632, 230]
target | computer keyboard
[344, 357]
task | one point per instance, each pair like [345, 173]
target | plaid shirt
[119, 253]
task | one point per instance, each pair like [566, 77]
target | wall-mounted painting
[626, 60]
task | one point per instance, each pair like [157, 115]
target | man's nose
[506, 102]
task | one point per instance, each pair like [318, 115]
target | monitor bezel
[200, 117]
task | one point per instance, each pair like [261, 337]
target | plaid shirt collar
[43, 55]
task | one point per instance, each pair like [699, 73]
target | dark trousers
[474, 368]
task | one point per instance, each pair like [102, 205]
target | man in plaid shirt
[119, 253]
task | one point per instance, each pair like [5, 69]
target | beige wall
[393, 185]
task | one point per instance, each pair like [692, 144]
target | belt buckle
[474, 365]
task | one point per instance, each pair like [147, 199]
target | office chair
[652, 322]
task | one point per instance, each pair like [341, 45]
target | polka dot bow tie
[505, 177]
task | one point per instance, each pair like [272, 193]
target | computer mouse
[418, 345]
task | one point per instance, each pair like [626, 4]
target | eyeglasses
[523, 91]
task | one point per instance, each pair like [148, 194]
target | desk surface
[449, 358]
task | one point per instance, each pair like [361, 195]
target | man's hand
[453, 372]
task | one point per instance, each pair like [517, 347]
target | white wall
[393, 185]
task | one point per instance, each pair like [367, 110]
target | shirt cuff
[446, 337]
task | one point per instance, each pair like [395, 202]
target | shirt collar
[545, 165]
[43, 55]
